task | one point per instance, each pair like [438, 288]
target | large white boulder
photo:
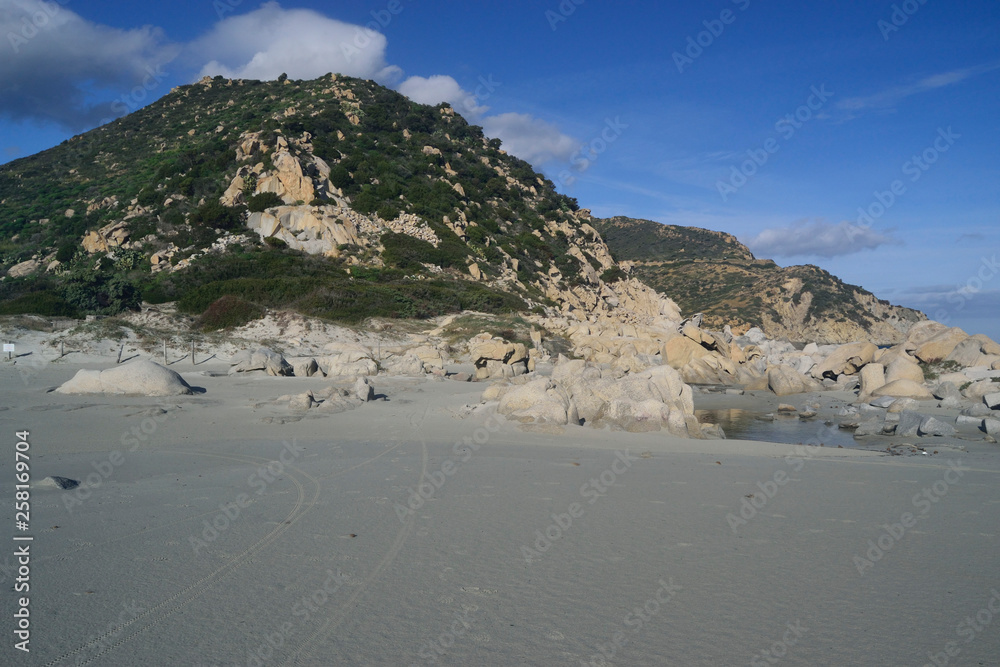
[784, 380]
[903, 369]
[539, 401]
[905, 389]
[872, 378]
[139, 378]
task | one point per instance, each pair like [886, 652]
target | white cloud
[62, 63]
[530, 138]
[971, 299]
[819, 239]
[892, 96]
[440, 88]
[304, 44]
[523, 135]
[301, 43]
[56, 61]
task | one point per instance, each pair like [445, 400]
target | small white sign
[8, 347]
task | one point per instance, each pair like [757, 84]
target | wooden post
[192, 353]
[164, 351]
[62, 349]
[120, 350]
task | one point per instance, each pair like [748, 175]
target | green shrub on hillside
[39, 303]
[613, 275]
[100, 293]
[228, 312]
[263, 201]
[214, 215]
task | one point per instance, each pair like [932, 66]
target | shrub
[66, 253]
[264, 201]
[215, 215]
[406, 252]
[340, 177]
[613, 275]
[229, 311]
[128, 260]
[476, 234]
[274, 292]
[173, 218]
[39, 303]
[388, 212]
[98, 293]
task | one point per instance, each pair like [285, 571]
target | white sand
[116, 581]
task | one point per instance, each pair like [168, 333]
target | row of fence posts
[166, 362]
[121, 350]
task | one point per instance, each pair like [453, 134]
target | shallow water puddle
[750, 425]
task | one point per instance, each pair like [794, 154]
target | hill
[334, 197]
[714, 274]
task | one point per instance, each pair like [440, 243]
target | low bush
[613, 275]
[39, 303]
[264, 201]
[228, 312]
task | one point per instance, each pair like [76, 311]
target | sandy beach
[218, 529]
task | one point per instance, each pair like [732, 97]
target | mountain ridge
[715, 274]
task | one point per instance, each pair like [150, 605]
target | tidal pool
[753, 425]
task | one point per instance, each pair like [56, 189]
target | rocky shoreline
[640, 376]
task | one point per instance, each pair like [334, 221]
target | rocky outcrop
[107, 238]
[262, 360]
[496, 358]
[846, 360]
[317, 230]
[580, 392]
[331, 400]
[351, 362]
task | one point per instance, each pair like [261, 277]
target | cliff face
[714, 274]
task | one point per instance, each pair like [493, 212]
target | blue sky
[781, 122]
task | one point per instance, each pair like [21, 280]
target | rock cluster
[583, 392]
[331, 400]
[107, 238]
[496, 358]
[261, 360]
